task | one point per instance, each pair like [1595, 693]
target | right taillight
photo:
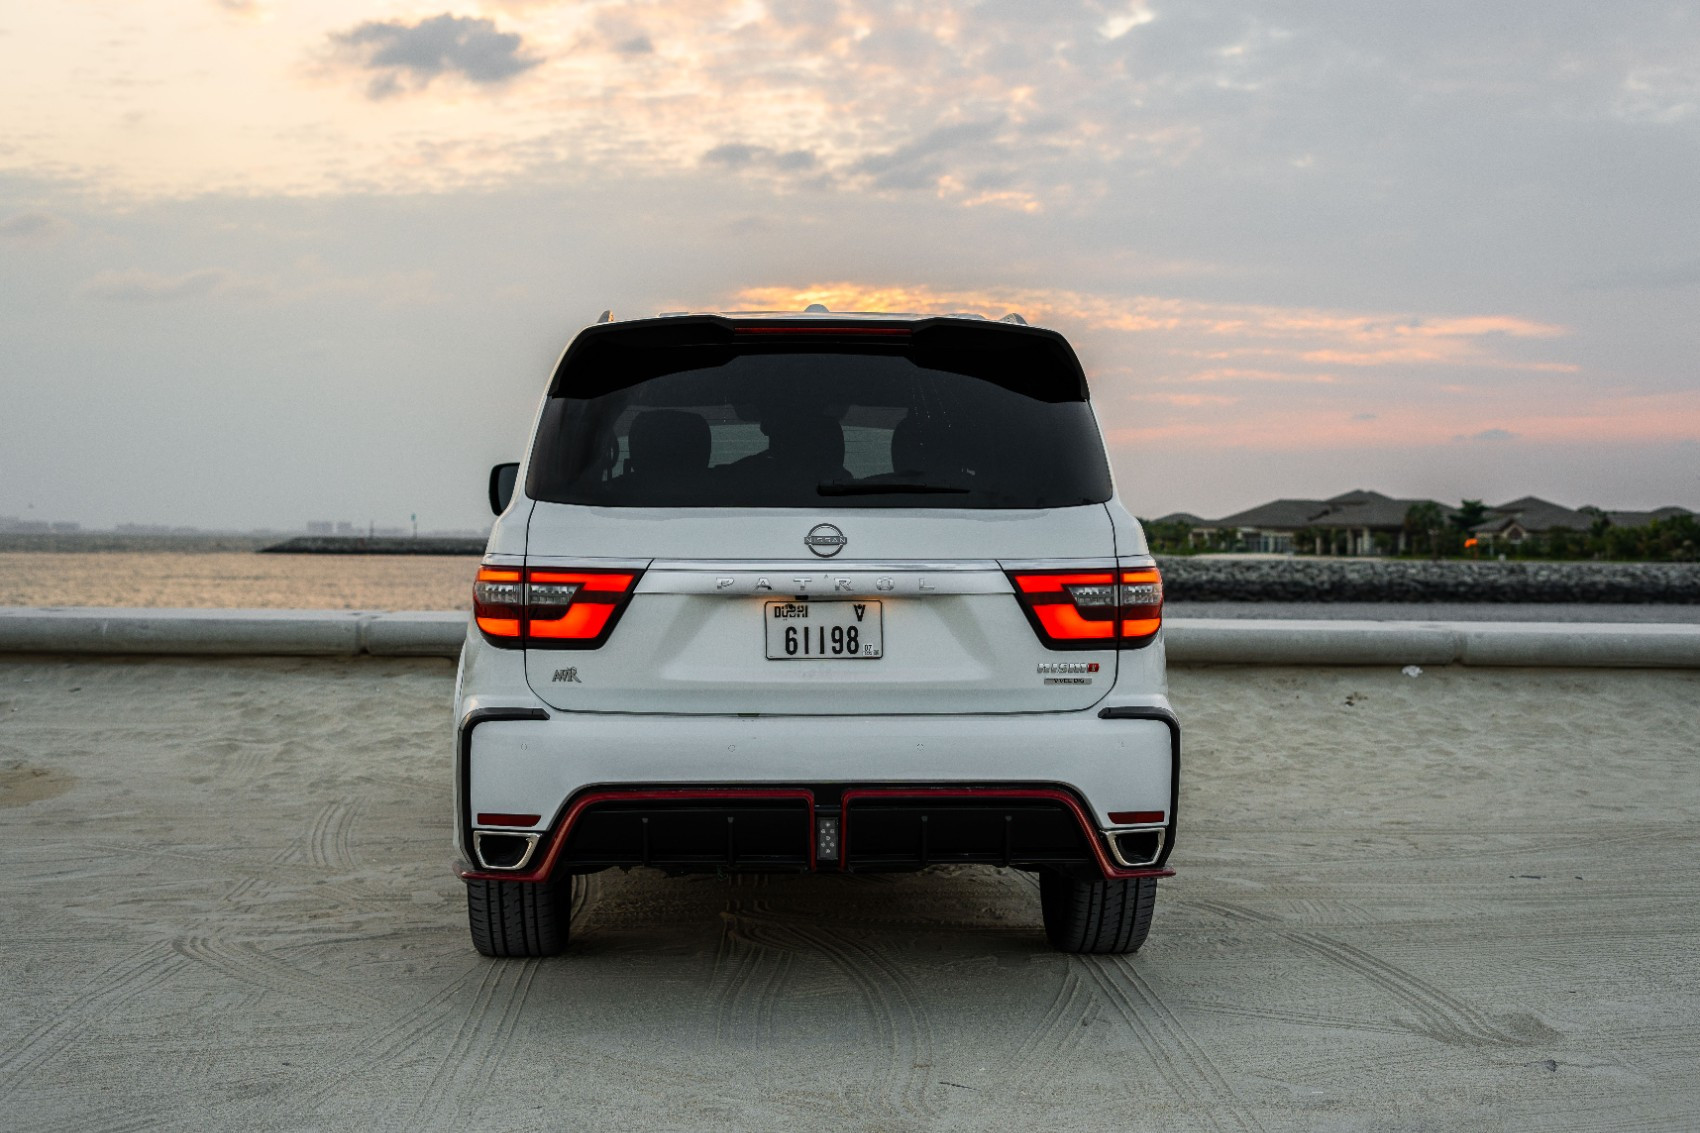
[550, 608]
[1092, 609]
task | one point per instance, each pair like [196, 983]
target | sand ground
[1461, 901]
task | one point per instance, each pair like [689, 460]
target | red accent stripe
[493, 818]
[558, 839]
[1135, 817]
[1110, 869]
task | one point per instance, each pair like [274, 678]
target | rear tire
[1105, 918]
[519, 918]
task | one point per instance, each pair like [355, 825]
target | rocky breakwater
[1212, 579]
[379, 545]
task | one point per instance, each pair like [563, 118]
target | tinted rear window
[818, 430]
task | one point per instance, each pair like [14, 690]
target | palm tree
[1428, 519]
[1469, 514]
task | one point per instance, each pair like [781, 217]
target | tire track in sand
[463, 1075]
[1439, 1014]
[329, 843]
[904, 1086]
[1191, 1074]
[117, 1116]
[248, 964]
[1184, 1064]
[104, 996]
[1054, 1040]
[382, 1052]
[1296, 1018]
[222, 867]
[752, 970]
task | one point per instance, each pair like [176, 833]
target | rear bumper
[964, 771]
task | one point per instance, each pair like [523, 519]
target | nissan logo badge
[825, 540]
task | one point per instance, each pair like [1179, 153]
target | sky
[270, 261]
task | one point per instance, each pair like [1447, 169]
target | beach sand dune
[1463, 900]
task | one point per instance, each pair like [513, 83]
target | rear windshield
[820, 430]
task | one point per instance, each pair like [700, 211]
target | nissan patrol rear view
[814, 593]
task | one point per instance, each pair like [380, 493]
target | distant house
[1643, 518]
[1359, 522]
[1185, 517]
[1513, 522]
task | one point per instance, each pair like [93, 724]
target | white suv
[814, 593]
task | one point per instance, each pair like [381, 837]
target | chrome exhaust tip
[1134, 848]
[502, 850]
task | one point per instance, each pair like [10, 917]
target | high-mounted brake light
[1094, 609]
[839, 331]
[544, 608]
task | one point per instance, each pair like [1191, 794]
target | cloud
[1669, 275]
[1121, 23]
[635, 45]
[1223, 374]
[1288, 342]
[136, 286]
[738, 155]
[33, 228]
[412, 55]
[1660, 95]
[919, 162]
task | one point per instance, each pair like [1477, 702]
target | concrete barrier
[414, 633]
[1213, 578]
[1604, 647]
[1190, 641]
[284, 633]
[1227, 641]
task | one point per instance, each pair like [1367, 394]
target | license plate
[823, 631]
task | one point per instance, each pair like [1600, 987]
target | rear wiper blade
[887, 489]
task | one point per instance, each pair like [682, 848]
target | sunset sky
[266, 261]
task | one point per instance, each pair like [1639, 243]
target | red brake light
[496, 602]
[1092, 609]
[818, 330]
[545, 608]
[1140, 605]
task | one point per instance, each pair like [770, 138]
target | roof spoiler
[610, 356]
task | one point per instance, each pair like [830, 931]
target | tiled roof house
[1349, 524]
[1643, 518]
[1346, 523]
[1515, 521]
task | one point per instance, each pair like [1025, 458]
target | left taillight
[546, 608]
[1092, 609]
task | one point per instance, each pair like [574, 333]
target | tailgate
[926, 620]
